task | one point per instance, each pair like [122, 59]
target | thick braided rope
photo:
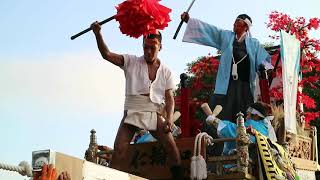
[24, 168]
[201, 163]
[193, 164]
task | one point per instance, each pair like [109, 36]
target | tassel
[201, 164]
[193, 165]
[193, 168]
[198, 164]
[202, 168]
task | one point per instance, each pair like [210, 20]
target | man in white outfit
[149, 85]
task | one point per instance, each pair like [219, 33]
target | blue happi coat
[205, 34]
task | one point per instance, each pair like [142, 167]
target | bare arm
[114, 58]
[169, 107]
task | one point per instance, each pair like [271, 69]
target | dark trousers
[237, 99]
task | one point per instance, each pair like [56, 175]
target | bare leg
[167, 140]
[121, 143]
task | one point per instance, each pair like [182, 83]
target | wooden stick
[217, 110]
[176, 116]
[89, 29]
[181, 22]
[205, 107]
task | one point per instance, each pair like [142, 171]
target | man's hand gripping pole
[212, 116]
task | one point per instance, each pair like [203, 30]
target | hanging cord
[193, 165]
[201, 163]
[198, 163]
[235, 67]
[23, 168]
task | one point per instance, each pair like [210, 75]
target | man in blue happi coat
[255, 120]
[241, 56]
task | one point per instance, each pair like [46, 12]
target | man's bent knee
[121, 149]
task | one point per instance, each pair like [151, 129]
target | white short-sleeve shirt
[138, 82]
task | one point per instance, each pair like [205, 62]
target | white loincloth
[141, 112]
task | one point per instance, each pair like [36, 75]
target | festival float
[293, 155]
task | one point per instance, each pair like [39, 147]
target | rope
[198, 164]
[24, 168]
[193, 165]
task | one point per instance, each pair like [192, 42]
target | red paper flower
[276, 93]
[307, 101]
[141, 17]
[311, 116]
[314, 23]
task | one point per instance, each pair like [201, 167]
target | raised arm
[114, 58]
[202, 33]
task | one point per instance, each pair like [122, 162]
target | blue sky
[53, 91]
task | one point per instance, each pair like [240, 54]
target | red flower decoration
[141, 17]
[204, 66]
[197, 85]
[309, 62]
[276, 93]
[307, 101]
[314, 23]
[311, 116]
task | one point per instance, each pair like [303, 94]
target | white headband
[254, 111]
[247, 21]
